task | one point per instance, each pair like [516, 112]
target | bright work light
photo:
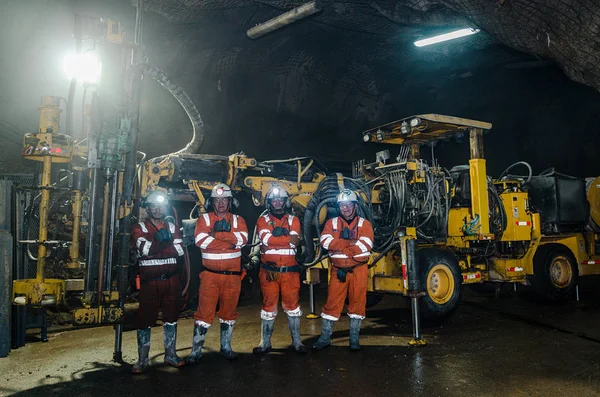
[84, 67]
[446, 36]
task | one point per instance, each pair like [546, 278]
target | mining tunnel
[324, 197]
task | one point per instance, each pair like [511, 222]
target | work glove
[280, 231]
[345, 234]
[163, 236]
[222, 226]
[295, 240]
[218, 226]
[272, 276]
[341, 274]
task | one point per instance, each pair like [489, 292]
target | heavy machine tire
[554, 272]
[373, 299]
[441, 280]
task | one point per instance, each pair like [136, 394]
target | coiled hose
[326, 196]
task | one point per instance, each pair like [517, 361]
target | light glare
[446, 36]
[84, 67]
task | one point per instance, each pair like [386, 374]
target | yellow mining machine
[88, 198]
[86, 192]
[471, 228]
[435, 228]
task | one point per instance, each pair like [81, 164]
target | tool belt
[282, 269]
[226, 272]
[342, 272]
[162, 277]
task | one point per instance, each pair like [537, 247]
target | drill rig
[435, 228]
[86, 194]
[471, 228]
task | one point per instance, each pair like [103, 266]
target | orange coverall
[345, 254]
[279, 252]
[221, 252]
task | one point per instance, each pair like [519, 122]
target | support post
[414, 289]
[478, 174]
[44, 207]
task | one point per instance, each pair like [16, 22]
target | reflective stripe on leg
[297, 312]
[264, 315]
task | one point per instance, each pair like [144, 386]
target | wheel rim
[440, 284]
[561, 273]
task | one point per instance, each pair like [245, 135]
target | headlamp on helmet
[157, 197]
[221, 190]
[347, 195]
[218, 191]
[277, 192]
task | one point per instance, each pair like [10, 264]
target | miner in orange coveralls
[349, 240]
[279, 233]
[158, 243]
[220, 236]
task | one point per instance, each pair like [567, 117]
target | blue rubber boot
[170, 337]
[226, 334]
[197, 344]
[354, 331]
[265, 340]
[143, 341]
[294, 324]
[325, 338]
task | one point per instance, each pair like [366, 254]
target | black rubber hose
[383, 253]
[310, 249]
[186, 102]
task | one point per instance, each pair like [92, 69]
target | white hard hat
[157, 197]
[277, 192]
[221, 190]
[347, 195]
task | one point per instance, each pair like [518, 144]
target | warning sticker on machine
[516, 212]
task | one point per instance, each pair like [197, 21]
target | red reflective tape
[471, 276]
[523, 223]
[590, 262]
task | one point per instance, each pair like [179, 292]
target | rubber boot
[354, 331]
[294, 324]
[197, 344]
[170, 337]
[265, 340]
[143, 341]
[226, 334]
[325, 338]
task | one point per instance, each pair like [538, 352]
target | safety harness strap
[226, 272]
[162, 277]
[282, 269]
